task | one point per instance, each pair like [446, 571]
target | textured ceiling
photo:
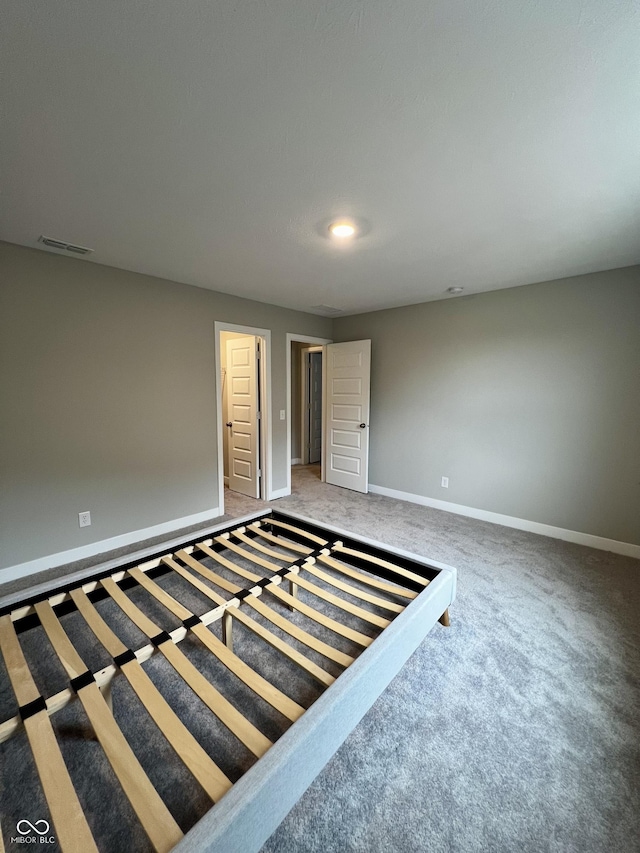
[483, 144]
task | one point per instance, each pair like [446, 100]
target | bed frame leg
[227, 631]
[444, 619]
[293, 591]
[107, 695]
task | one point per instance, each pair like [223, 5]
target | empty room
[320, 427]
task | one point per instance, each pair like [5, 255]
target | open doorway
[305, 392]
[311, 415]
[346, 384]
[242, 384]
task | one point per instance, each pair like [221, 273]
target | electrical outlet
[444, 482]
[283, 414]
[84, 519]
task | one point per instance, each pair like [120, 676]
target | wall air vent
[326, 310]
[65, 247]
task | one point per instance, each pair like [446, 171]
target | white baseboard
[279, 493]
[41, 564]
[226, 481]
[296, 461]
[628, 549]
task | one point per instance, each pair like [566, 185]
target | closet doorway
[311, 372]
[305, 395]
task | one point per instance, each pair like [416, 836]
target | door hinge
[259, 473]
[259, 416]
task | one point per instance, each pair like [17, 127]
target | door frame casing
[303, 339]
[265, 406]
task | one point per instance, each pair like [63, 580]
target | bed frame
[294, 581]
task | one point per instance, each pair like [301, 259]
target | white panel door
[315, 406]
[242, 410]
[348, 367]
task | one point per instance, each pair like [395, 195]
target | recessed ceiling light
[455, 290]
[342, 229]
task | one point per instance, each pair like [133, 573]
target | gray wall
[107, 383]
[527, 399]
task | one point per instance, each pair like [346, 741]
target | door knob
[229, 423]
[362, 426]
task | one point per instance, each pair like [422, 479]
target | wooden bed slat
[68, 818]
[112, 643]
[104, 676]
[329, 597]
[164, 833]
[227, 713]
[228, 564]
[273, 616]
[197, 566]
[196, 582]
[293, 603]
[320, 675]
[156, 819]
[384, 603]
[327, 560]
[270, 552]
[247, 555]
[173, 605]
[62, 645]
[205, 770]
[310, 536]
[284, 543]
[370, 581]
[229, 586]
[269, 692]
[18, 670]
[234, 664]
[347, 606]
[317, 616]
[140, 619]
[281, 645]
[377, 561]
[245, 731]
[340, 548]
[297, 632]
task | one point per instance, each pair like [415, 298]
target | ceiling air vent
[326, 310]
[65, 247]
